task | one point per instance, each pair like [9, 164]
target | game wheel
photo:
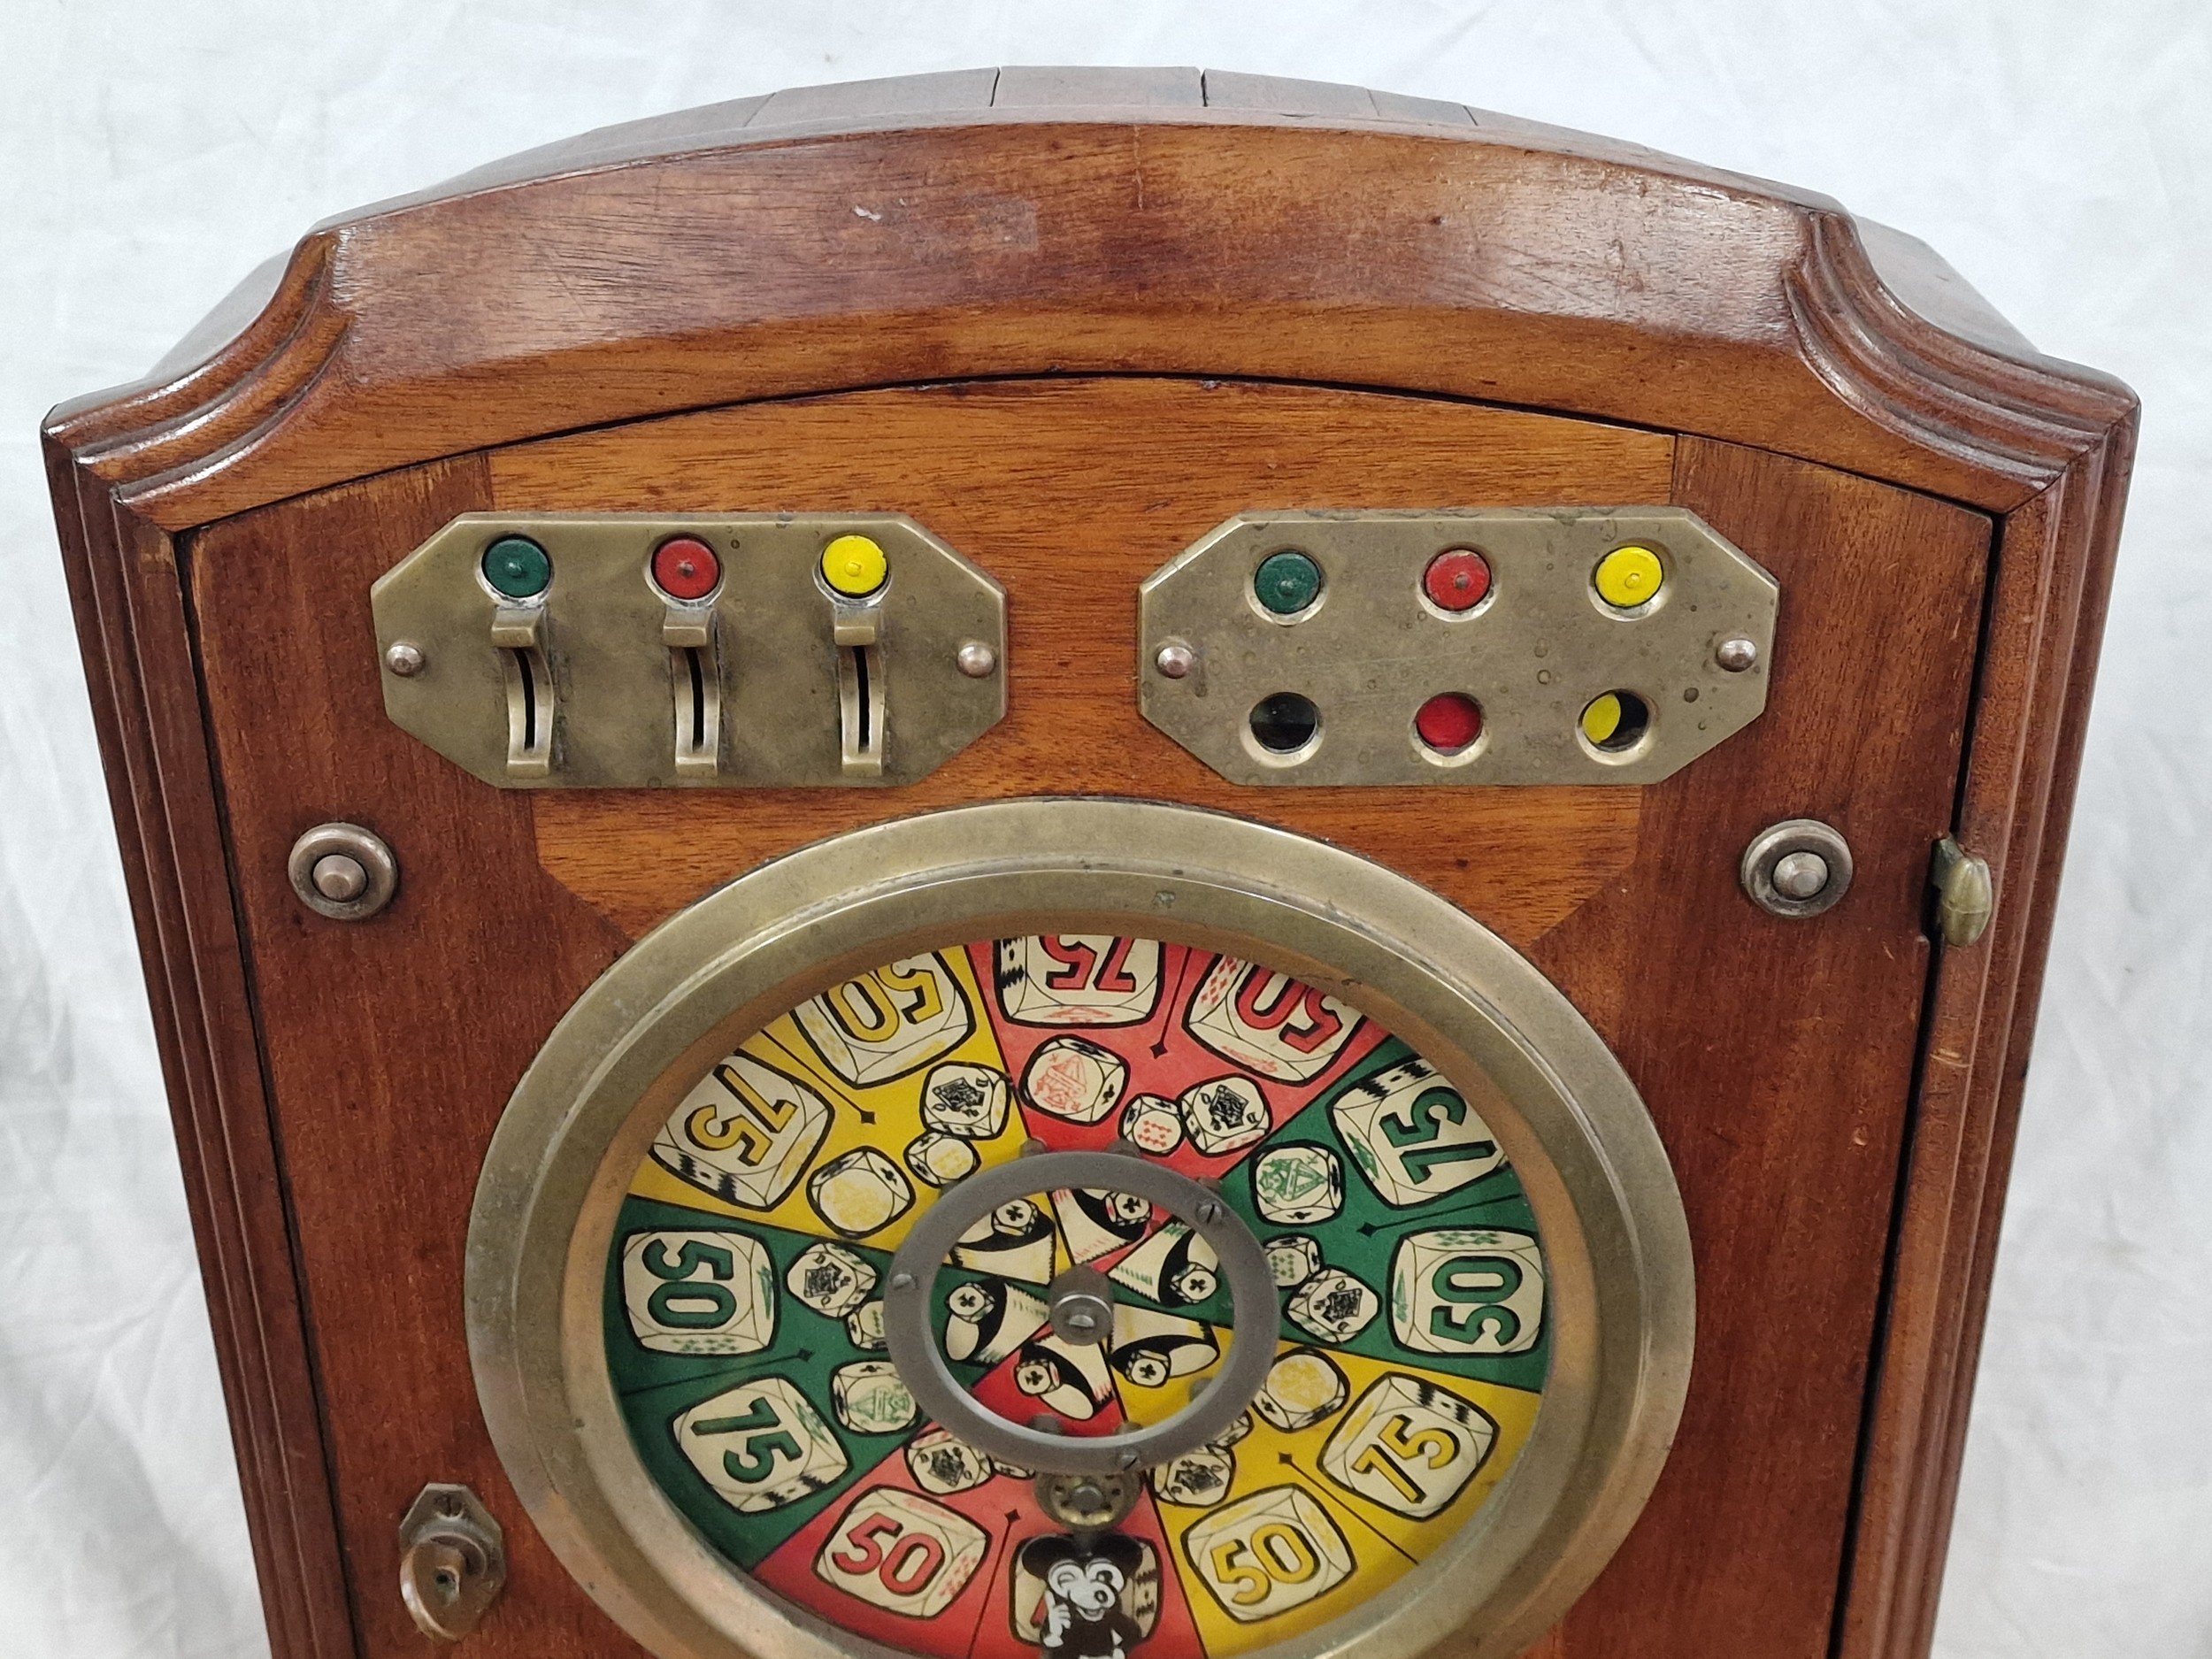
[1314, 1245]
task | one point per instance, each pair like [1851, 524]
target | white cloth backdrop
[151, 150]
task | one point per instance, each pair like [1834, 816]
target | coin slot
[1615, 723]
[695, 684]
[1285, 724]
[860, 710]
[529, 713]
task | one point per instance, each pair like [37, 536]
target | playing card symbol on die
[1267, 1022]
[889, 1022]
[960, 1098]
[760, 1445]
[860, 1193]
[1268, 1552]
[1075, 1079]
[1334, 1307]
[941, 1462]
[744, 1132]
[869, 1398]
[1413, 1136]
[1408, 1446]
[1298, 1183]
[902, 1552]
[831, 1279]
[1224, 1115]
[699, 1293]
[985, 1321]
[1077, 979]
[1467, 1291]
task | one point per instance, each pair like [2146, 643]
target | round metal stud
[1736, 655]
[405, 659]
[1175, 660]
[1082, 1304]
[1089, 1503]
[1799, 867]
[342, 872]
[976, 660]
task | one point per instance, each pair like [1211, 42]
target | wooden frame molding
[1024, 223]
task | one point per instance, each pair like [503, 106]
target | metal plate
[584, 1118]
[766, 632]
[1532, 655]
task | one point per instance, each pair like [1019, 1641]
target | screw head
[339, 878]
[902, 1281]
[405, 659]
[1799, 875]
[1736, 655]
[976, 660]
[1175, 660]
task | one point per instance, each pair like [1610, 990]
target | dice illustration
[985, 1321]
[1268, 1552]
[1152, 1125]
[1224, 1115]
[965, 1099]
[1074, 1079]
[1413, 1136]
[889, 1022]
[1079, 979]
[1149, 1348]
[902, 1552]
[864, 1326]
[941, 1462]
[1015, 1239]
[744, 1133]
[1267, 1021]
[1298, 1183]
[1464, 1290]
[760, 1445]
[1174, 1266]
[1197, 1480]
[1301, 1389]
[1334, 1307]
[1408, 1446]
[941, 1159]
[860, 1193]
[699, 1293]
[1292, 1259]
[869, 1398]
[831, 1279]
[1095, 1222]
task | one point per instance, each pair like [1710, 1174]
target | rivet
[902, 1281]
[1175, 660]
[1207, 1213]
[405, 659]
[1736, 655]
[1799, 875]
[339, 878]
[976, 660]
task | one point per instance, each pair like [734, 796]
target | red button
[1457, 579]
[685, 567]
[1449, 722]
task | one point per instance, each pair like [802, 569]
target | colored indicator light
[1614, 720]
[685, 567]
[1457, 579]
[1286, 583]
[854, 565]
[1628, 576]
[517, 567]
[1449, 723]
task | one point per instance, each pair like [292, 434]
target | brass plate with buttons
[615, 650]
[1565, 645]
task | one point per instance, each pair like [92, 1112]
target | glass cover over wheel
[745, 1294]
[1050, 1226]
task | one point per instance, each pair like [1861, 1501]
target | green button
[1286, 583]
[518, 567]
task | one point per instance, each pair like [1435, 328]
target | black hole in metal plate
[1632, 720]
[1285, 722]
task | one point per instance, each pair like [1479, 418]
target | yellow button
[1602, 718]
[853, 565]
[1629, 576]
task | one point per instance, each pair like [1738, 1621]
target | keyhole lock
[453, 1561]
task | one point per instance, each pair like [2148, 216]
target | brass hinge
[1964, 897]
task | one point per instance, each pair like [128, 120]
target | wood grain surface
[1069, 493]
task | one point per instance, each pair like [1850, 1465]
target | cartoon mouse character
[1082, 1617]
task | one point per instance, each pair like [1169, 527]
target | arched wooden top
[1027, 221]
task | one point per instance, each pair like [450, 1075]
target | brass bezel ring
[1615, 1241]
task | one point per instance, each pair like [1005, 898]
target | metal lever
[856, 630]
[518, 635]
[695, 677]
[453, 1561]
